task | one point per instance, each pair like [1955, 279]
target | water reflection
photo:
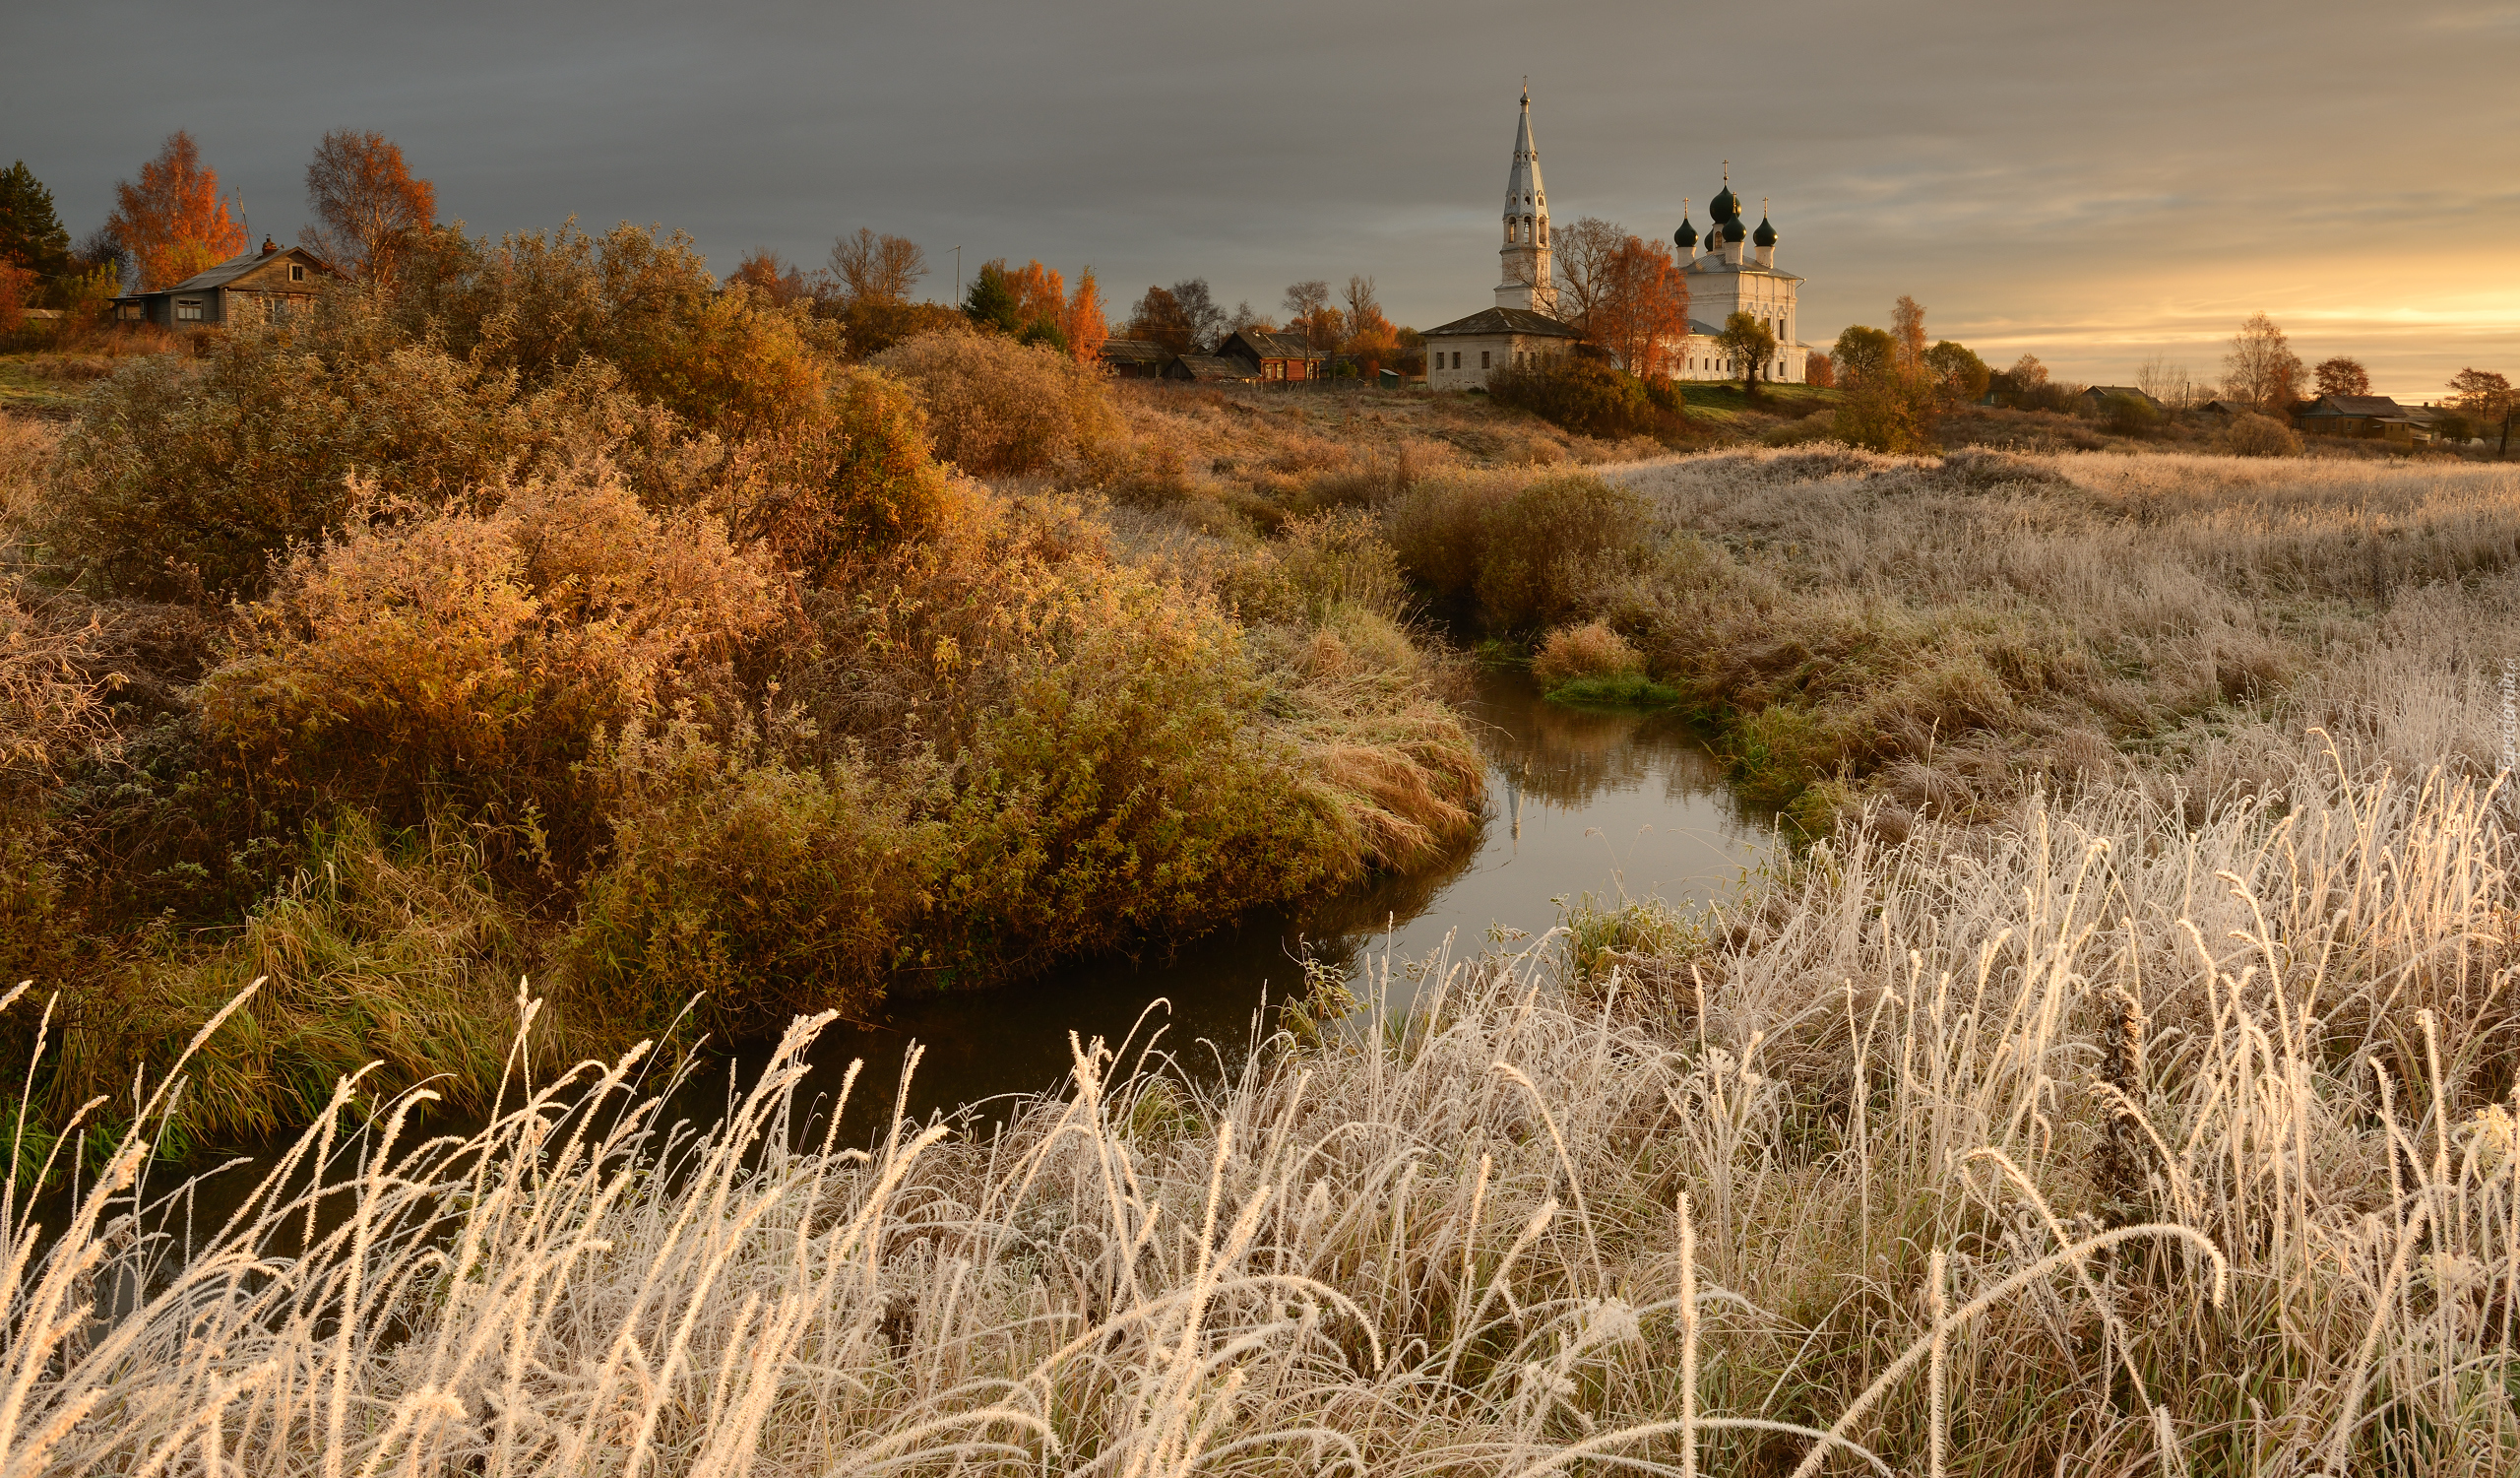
[1610, 804]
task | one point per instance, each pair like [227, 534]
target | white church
[1732, 270]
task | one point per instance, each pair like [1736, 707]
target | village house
[260, 287]
[2093, 399]
[2371, 417]
[1272, 355]
[1134, 358]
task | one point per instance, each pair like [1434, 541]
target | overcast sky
[2089, 183]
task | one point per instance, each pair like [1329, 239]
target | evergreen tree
[991, 301]
[30, 233]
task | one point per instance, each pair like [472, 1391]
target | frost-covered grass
[2123, 1135]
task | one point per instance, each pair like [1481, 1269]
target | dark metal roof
[236, 267]
[1267, 343]
[1213, 367]
[1505, 321]
[1134, 350]
[2354, 405]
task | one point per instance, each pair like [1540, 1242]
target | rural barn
[1208, 369]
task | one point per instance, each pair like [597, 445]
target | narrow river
[1615, 803]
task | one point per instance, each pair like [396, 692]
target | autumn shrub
[1437, 527]
[854, 481]
[996, 408]
[1591, 397]
[180, 480]
[2253, 435]
[773, 889]
[19, 290]
[1126, 787]
[2130, 414]
[1514, 551]
[544, 305]
[1589, 650]
[1542, 547]
[477, 657]
[1890, 412]
[1340, 558]
[1383, 754]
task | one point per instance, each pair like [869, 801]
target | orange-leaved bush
[478, 658]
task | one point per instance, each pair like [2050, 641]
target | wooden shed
[1134, 358]
[1208, 369]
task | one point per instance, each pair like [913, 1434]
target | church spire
[1527, 270]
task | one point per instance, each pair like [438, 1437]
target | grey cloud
[2023, 169]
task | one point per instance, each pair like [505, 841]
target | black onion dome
[1725, 206]
[1686, 237]
[1765, 235]
[1733, 231]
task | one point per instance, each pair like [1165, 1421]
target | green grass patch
[1616, 690]
[27, 386]
[1711, 401]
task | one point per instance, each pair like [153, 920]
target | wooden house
[2094, 401]
[1134, 358]
[260, 287]
[1272, 355]
[2370, 417]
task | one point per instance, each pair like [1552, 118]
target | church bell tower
[1528, 282]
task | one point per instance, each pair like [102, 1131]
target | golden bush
[479, 657]
[1591, 650]
[996, 408]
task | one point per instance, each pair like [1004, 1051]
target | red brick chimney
[268, 247]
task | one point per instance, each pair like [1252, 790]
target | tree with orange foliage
[1082, 319]
[1640, 308]
[367, 202]
[1040, 292]
[173, 222]
[764, 272]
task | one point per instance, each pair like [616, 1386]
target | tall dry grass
[2108, 1139]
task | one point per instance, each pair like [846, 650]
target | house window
[1482, 358]
[296, 273]
[1456, 359]
[188, 310]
